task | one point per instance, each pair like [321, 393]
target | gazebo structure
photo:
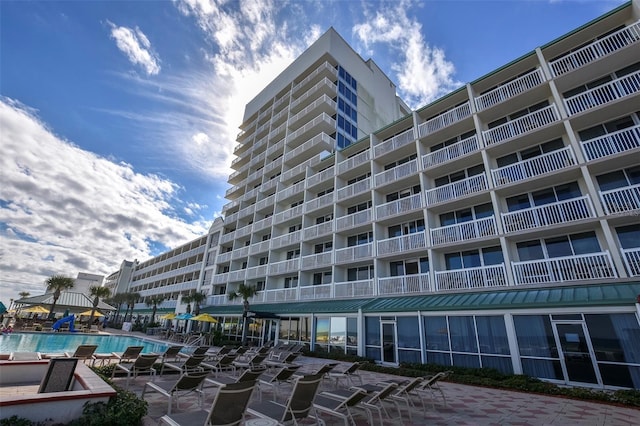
[69, 301]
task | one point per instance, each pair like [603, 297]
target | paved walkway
[465, 405]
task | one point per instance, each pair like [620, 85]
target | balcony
[470, 278]
[287, 239]
[350, 254]
[316, 203]
[240, 253]
[403, 243]
[288, 214]
[262, 224]
[280, 102]
[353, 162]
[520, 126]
[407, 284]
[396, 173]
[451, 152]
[257, 272]
[612, 143]
[349, 289]
[445, 119]
[318, 260]
[284, 267]
[266, 202]
[325, 86]
[290, 191]
[315, 145]
[221, 299]
[615, 89]
[401, 206]
[323, 123]
[632, 261]
[457, 189]
[325, 175]
[261, 247]
[224, 257]
[229, 236]
[325, 228]
[464, 231]
[280, 295]
[540, 165]
[353, 220]
[596, 50]
[323, 104]
[592, 266]
[238, 275]
[316, 292]
[394, 143]
[353, 189]
[295, 172]
[621, 200]
[509, 90]
[275, 147]
[324, 70]
[220, 278]
[549, 214]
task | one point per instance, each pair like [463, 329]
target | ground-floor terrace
[586, 335]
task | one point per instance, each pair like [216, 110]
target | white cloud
[65, 210]
[137, 47]
[422, 71]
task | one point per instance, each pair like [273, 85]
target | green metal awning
[613, 294]
[565, 296]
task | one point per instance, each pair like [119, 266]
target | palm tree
[196, 299]
[97, 293]
[154, 301]
[24, 294]
[56, 284]
[187, 299]
[245, 292]
[130, 300]
[117, 300]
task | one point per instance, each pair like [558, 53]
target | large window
[554, 194]
[360, 273]
[359, 239]
[619, 179]
[409, 267]
[337, 334]
[567, 245]
[459, 175]
[538, 350]
[465, 215]
[474, 258]
[406, 228]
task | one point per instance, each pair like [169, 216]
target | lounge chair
[282, 359]
[340, 406]
[228, 408]
[172, 353]
[299, 405]
[223, 364]
[143, 364]
[59, 375]
[406, 392]
[246, 376]
[430, 385]
[186, 384]
[25, 356]
[278, 379]
[83, 352]
[348, 374]
[199, 350]
[253, 362]
[190, 364]
[129, 355]
[375, 399]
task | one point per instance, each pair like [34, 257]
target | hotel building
[498, 226]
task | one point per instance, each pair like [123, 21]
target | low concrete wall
[59, 407]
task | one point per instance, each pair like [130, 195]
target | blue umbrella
[3, 308]
[185, 316]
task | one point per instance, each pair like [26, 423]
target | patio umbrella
[184, 316]
[88, 313]
[3, 308]
[169, 316]
[35, 309]
[204, 318]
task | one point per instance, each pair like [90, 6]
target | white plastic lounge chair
[142, 365]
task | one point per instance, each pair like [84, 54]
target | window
[619, 179]
[321, 248]
[403, 193]
[297, 203]
[459, 175]
[291, 282]
[263, 260]
[400, 162]
[359, 178]
[568, 245]
[292, 254]
[550, 195]
[359, 207]
[518, 114]
[452, 141]
[356, 240]
[409, 267]
[323, 219]
[629, 236]
[601, 81]
[325, 192]
[322, 278]
[406, 228]
[466, 215]
[260, 285]
[295, 228]
[266, 237]
[606, 128]
[474, 258]
[360, 273]
[528, 153]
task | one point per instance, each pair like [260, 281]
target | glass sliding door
[576, 353]
[389, 342]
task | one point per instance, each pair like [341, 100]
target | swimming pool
[63, 342]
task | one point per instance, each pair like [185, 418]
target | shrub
[125, 409]
[15, 421]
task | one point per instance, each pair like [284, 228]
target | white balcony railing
[540, 165]
[320, 177]
[316, 203]
[220, 278]
[612, 143]
[261, 247]
[480, 277]
[548, 214]
[262, 224]
[353, 189]
[451, 152]
[353, 220]
[522, 125]
[325, 67]
[396, 245]
[621, 200]
[457, 189]
[284, 267]
[598, 49]
[347, 289]
[352, 162]
[316, 292]
[257, 271]
[319, 142]
[280, 295]
[290, 191]
[349, 254]
[609, 92]
[398, 172]
[401, 206]
[266, 202]
[510, 89]
[632, 261]
[290, 213]
[418, 283]
[464, 231]
[287, 239]
[394, 143]
[445, 119]
[318, 230]
[592, 266]
[313, 261]
[325, 84]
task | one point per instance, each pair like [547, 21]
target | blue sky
[118, 118]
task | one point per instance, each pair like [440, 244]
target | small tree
[24, 294]
[117, 300]
[196, 299]
[154, 301]
[130, 300]
[56, 284]
[245, 292]
[97, 293]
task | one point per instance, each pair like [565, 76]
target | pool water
[63, 342]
